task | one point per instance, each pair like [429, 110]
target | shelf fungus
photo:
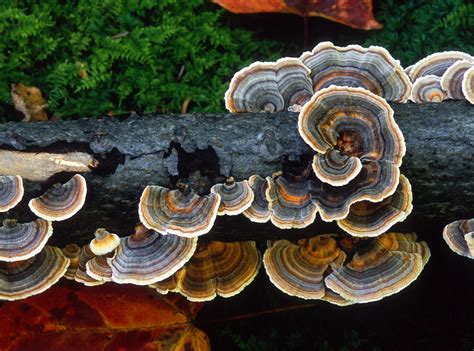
[11, 192]
[104, 242]
[258, 211]
[216, 268]
[428, 89]
[73, 253]
[146, 257]
[62, 201]
[374, 273]
[350, 128]
[181, 212]
[451, 81]
[21, 279]
[459, 236]
[98, 268]
[81, 275]
[468, 85]
[370, 68]
[437, 63]
[298, 269]
[367, 219]
[290, 202]
[20, 241]
[236, 197]
[405, 242]
[269, 87]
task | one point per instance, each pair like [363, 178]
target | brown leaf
[109, 317]
[353, 13]
[30, 102]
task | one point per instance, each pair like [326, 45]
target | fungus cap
[405, 242]
[73, 253]
[62, 201]
[290, 202]
[451, 81]
[104, 242]
[428, 89]
[437, 63]
[269, 86]
[236, 197]
[146, 257]
[370, 68]
[21, 279]
[459, 237]
[181, 212]
[468, 85]
[98, 268]
[19, 241]
[11, 192]
[368, 219]
[81, 275]
[258, 211]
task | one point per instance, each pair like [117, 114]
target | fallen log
[128, 152]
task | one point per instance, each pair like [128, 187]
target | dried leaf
[109, 317]
[354, 13]
[30, 102]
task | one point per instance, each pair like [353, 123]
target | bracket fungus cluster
[11, 192]
[440, 76]
[216, 268]
[459, 236]
[236, 197]
[319, 267]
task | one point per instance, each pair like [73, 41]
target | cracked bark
[133, 151]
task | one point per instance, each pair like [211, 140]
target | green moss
[92, 57]
[414, 28]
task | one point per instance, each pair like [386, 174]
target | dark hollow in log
[133, 151]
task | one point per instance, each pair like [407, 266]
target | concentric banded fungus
[373, 69]
[459, 236]
[437, 63]
[11, 192]
[269, 87]
[73, 253]
[405, 242]
[374, 273]
[81, 275]
[298, 269]
[468, 85]
[258, 211]
[62, 201]
[99, 269]
[181, 212]
[428, 89]
[21, 241]
[104, 242]
[290, 202]
[367, 218]
[21, 279]
[236, 197]
[350, 127]
[335, 299]
[146, 257]
[451, 81]
[216, 268]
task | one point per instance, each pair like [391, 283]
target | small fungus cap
[451, 81]
[81, 275]
[258, 211]
[21, 279]
[236, 197]
[104, 242]
[428, 89]
[348, 128]
[73, 253]
[370, 68]
[178, 212]
[459, 237]
[290, 202]
[146, 257]
[19, 241]
[298, 269]
[405, 242]
[468, 85]
[62, 201]
[269, 87]
[437, 63]
[11, 192]
[374, 273]
[98, 268]
[368, 219]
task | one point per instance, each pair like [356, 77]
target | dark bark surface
[134, 151]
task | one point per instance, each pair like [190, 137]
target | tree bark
[129, 152]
